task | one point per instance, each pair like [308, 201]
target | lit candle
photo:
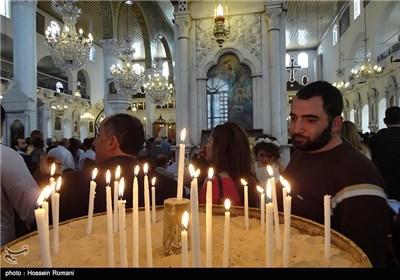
[181, 165]
[246, 204]
[275, 204]
[287, 213]
[269, 232]
[52, 181]
[225, 258]
[122, 224]
[91, 202]
[153, 200]
[110, 237]
[284, 193]
[261, 190]
[194, 211]
[45, 204]
[149, 251]
[184, 239]
[135, 217]
[220, 14]
[56, 215]
[327, 222]
[40, 215]
[117, 174]
[209, 219]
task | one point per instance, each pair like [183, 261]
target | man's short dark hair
[331, 97]
[392, 115]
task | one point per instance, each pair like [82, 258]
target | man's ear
[114, 143]
[337, 124]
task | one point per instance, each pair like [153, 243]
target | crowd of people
[329, 158]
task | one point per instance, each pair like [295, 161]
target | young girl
[266, 151]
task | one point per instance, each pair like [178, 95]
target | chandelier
[70, 50]
[58, 107]
[366, 71]
[221, 32]
[87, 117]
[158, 89]
[127, 78]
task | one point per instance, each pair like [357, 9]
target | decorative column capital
[109, 47]
[183, 23]
[273, 13]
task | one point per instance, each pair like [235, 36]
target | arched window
[302, 58]
[287, 60]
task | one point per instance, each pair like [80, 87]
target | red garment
[230, 192]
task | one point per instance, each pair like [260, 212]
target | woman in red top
[228, 151]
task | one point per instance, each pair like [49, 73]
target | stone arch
[392, 91]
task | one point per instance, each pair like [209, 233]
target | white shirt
[19, 192]
[64, 155]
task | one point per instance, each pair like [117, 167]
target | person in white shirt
[88, 152]
[19, 192]
[62, 153]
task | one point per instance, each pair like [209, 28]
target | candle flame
[269, 196]
[58, 185]
[286, 185]
[94, 174]
[153, 181]
[185, 220]
[261, 190]
[191, 170]
[136, 172]
[220, 11]
[227, 204]
[108, 177]
[244, 182]
[145, 168]
[53, 169]
[270, 170]
[210, 173]
[183, 134]
[197, 173]
[121, 187]
[117, 172]
[41, 197]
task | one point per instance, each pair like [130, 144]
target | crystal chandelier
[127, 78]
[221, 32]
[158, 89]
[70, 50]
[87, 117]
[366, 71]
[58, 107]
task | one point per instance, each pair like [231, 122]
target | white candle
[246, 204]
[269, 231]
[194, 211]
[135, 217]
[262, 211]
[287, 213]
[327, 222]
[56, 216]
[181, 165]
[184, 239]
[40, 215]
[284, 193]
[91, 202]
[153, 200]
[225, 256]
[52, 181]
[209, 219]
[122, 225]
[275, 204]
[149, 251]
[117, 174]
[110, 234]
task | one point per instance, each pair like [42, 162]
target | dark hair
[87, 143]
[129, 131]
[332, 100]
[392, 115]
[161, 160]
[3, 115]
[270, 148]
[231, 153]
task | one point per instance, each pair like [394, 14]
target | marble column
[183, 23]
[110, 58]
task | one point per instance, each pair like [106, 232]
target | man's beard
[316, 144]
